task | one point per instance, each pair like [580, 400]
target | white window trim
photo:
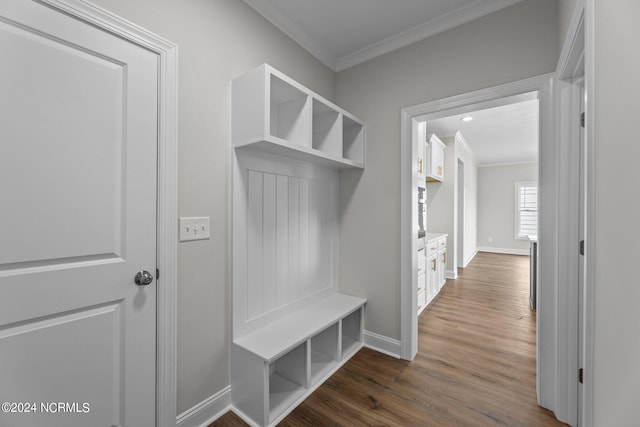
[516, 216]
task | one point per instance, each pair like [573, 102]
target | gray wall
[565, 13]
[514, 43]
[218, 40]
[496, 204]
[617, 209]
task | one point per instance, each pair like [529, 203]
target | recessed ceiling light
[467, 118]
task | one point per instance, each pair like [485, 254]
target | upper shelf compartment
[272, 112]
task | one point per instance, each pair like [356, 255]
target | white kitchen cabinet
[422, 153]
[434, 159]
[432, 277]
[442, 262]
[422, 277]
[431, 248]
[435, 251]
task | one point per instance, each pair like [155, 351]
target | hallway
[475, 365]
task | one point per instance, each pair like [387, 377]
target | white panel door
[78, 176]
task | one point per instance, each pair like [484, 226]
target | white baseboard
[243, 417]
[469, 258]
[451, 274]
[212, 408]
[207, 411]
[386, 345]
[504, 250]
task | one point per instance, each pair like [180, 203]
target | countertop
[430, 237]
[434, 236]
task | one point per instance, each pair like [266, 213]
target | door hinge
[580, 375]
[582, 119]
[581, 247]
[157, 273]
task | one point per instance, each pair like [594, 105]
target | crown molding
[272, 14]
[430, 28]
[460, 16]
[508, 163]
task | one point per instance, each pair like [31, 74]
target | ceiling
[507, 134]
[343, 33]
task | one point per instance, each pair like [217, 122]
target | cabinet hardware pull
[420, 166]
[434, 265]
[444, 257]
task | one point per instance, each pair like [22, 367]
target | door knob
[143, 278]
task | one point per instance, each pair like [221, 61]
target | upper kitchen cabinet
[422, 153]
[435, 159]
[274, 113]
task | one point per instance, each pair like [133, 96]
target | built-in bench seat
[277, 366]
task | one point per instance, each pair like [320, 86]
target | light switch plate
[194, 228]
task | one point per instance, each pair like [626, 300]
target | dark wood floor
[475, 365]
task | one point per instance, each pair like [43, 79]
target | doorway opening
[538, 88]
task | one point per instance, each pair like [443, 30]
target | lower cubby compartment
[324, 353]
[351, 333]
[287, 380]
[277, 366]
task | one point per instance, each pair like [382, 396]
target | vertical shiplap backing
[291, 244]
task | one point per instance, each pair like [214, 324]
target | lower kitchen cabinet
[432, 260]
[442, 262]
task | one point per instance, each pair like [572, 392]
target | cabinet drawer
[421, 282]
[442, 243]
[431, 248]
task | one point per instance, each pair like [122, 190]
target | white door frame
[167, 239]
[576, 61]
[548, 220]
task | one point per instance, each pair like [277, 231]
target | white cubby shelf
[276, 367]
[274, 113]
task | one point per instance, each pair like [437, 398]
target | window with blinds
[526, 209]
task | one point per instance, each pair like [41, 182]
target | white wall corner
[451, 274]
[382, 344]
[288, 26]
[207, 411]
[460, 139]
[507, 251]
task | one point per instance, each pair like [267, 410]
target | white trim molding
[507, 251]
[207, 411]
[382, 344]
[470, 258]
[451, 274]
[460, 139]
[167, 239]
[467, 13]
[288, 26]
[492, 165]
